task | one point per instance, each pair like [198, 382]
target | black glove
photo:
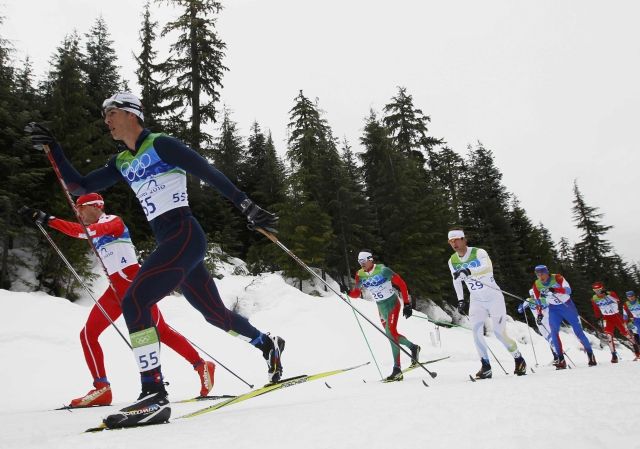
[463, 271]
[462, 306]
[539, 318]
[39, 135]
[34, 215]
[552, 289]
[407, 311]
[258, 217]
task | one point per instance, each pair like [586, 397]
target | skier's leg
[477, 316]
[180, 247]
[389, 310]
[555, 319]
[93, 328]
[95, 325]
[570, 314]
[174, 339]
[498, 313]
[200, 290]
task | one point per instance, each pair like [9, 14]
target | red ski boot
[206, 371]
[100, 395]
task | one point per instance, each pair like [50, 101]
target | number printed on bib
[146, 348]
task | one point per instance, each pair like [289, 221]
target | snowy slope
[42, 368]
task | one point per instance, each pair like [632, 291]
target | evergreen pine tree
[592, 251]
[394, 186]
[355, 221]
[195, 65]
[152, 85]
[407, 126]
[485, 215]
[265, 183]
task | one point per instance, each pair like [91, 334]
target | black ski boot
[614, 357]
[395, 376]
[485, 370]
[272, 348]
[592, 359]
[152, 407]
[521, 366]
[562, 364]
[415, 353]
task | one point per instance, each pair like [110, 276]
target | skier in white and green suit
[473, 267]
[379, 280]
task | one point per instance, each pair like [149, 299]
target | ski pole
[77, 276]
[275, 240]
[530, 339]
[368, 346]
[218, 362]
[498, 289]
[567, 356]
[436, 322]
[67, 195]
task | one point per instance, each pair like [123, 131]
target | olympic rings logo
[136, 168]
[472, 264]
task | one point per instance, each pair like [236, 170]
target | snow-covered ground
[42, 367]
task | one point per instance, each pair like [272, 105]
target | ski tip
[532, 370]
[100, 428]
[471, 378]
[328, 386]
[424, 383]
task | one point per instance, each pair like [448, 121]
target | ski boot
[556, 359]
[562, 364]
[395, 376]
[152, 407]
[205, 371]
[100, 395]
[415, 353]
[485, 370]
[521, 366]
[272, 348]
[614, 357]
[592, 359]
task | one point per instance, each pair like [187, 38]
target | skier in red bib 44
[606, 306]
[379, 281]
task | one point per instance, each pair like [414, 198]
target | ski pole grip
[267, 234]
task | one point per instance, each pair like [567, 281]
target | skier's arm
[176, 153]
[626, 310]
[486, 267]
[96, 180]
[560, 286]
[113, 227]
[536, 298]
[457, 284]
[402, 285]
[596, 309]
[355, 291]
